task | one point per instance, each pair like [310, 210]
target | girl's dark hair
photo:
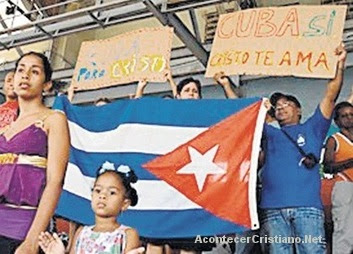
[46, 64]
[127, 178]
[338, 107]
[186, 81]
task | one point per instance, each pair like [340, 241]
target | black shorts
[181, 243]
[8, 245]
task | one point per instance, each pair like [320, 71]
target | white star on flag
[202, 165]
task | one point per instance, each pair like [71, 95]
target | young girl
[34, 152]
[112, 194]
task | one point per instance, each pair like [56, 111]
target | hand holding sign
[221, 79]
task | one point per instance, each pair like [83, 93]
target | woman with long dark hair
[34, 152]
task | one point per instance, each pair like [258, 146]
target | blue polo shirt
[285, 182]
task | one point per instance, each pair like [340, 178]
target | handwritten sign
[295, 40]
[144, 53]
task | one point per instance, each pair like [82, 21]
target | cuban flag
[196, 161]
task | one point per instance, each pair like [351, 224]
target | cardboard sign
[144, 53]
[295, 40]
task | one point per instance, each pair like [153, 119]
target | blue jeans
[304, 224]
[248, 247]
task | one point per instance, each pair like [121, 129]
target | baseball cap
[276, 96]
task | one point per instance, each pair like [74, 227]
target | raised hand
[142, 83]
[140, 88]
[221, 79]
[172, 83]
[342, 55]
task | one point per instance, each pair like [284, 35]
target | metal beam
[34, 5]
[40, 6]
[3, 24]
[28, 16]
[76, 21]
[71, 14]
[17, 8]
[110, 13]
[193, 4]
[99, 22]
[180, 30]
[4, 45]
[156, 12]
[189, 40]
[195, 24]
[43, 31]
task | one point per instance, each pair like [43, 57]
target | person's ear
[126, 204]
[47, 86]
[299, 111]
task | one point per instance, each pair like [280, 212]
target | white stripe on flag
[153, 195]
[151, 139]
[77, 183]
[254, 165]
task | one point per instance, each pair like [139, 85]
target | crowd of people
[34, 152]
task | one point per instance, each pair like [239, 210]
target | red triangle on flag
[224, 191]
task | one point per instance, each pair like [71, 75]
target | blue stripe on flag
[172, 223]
[149, 111]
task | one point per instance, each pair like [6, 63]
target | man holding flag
[291, 204]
